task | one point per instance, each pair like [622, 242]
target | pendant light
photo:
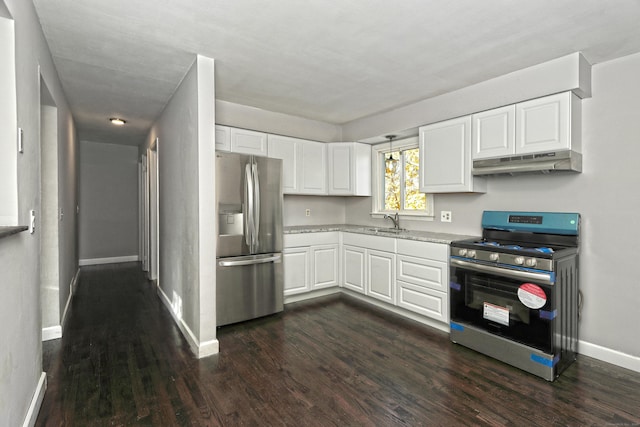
[390, 162]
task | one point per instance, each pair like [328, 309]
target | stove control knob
[530, 262]
[518, 260]
[471, 254]
[494, 257]
[462, 252]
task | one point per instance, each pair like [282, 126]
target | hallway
[332, 361]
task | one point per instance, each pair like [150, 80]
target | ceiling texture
[329, 60]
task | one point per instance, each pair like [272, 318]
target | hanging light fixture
[390, 162]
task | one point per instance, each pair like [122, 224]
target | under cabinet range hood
[551, 162]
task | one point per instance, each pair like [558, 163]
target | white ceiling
[328, 60]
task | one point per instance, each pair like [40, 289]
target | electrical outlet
[445, 216]
[307, 212]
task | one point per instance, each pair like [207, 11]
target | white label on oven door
[496, 313]
[532, 296]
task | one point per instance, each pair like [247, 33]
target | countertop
[9, 230]
[422, 236]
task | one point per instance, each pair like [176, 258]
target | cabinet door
[494, 133]
[324, 270]
[349, 168]
[353, 261]
[543, 124]
[341, 173]
[285, 148]
[427, 302]
[381, 275]
[423, 272]
[445, 158]
[296, 270]
[223, 138]
[248, 142]
[312, 161]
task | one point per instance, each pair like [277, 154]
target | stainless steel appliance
[249, 275]
[550, 162]
[514, 294]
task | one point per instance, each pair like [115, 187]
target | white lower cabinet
[381, 274]
[353, 261]
[422, 278]
[369, 265]
[311, 262]
[296, 270]
[409, 274]
[324, 266]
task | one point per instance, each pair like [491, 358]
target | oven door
[516, 304]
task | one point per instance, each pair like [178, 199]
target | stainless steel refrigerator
[249, 273]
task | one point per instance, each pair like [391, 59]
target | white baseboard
[444, 327]
[288, 299]
[36, 402]
[608, 355]
[200, 349]
[72, 290]
[111, 260]
[52, 333]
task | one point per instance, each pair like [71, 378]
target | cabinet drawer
[387, 244]
[427, 302]
[422, 272]
[434, 251]
[311, 239]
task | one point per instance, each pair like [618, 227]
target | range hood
[551, 162]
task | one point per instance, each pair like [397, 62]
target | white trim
[436, 324]
[310, 295]
[55, 332]
[72, 290]
[36, 402]
[200, 349]
[608, 355]
[51, 333]
[111, 260]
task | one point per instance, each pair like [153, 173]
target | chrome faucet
[396, 220]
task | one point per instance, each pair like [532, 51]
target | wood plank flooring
[330, 362]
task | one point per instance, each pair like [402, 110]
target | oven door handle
[542, 278]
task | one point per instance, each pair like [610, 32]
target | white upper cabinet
[494, 133]
[445, 158]
[304, 164]
[248, 142]
[349, 169]
[223, 138]
[312, 161]
[287, 149]
[551, 123]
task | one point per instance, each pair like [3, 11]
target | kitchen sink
[385, 230]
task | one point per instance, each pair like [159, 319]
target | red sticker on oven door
[532, 296]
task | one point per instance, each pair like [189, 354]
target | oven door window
[492, 303]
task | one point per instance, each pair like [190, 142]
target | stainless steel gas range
[514, 294]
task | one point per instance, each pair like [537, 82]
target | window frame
[377, 181]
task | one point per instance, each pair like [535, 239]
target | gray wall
[606, 194]
[186, 157]
[20, 316]
[108, 219]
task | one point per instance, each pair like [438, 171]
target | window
[396, 180]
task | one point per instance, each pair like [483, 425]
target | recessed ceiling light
[117, 121]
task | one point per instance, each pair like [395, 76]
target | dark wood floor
[330, 362]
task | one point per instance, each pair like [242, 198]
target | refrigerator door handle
[256, 207]
[250, 260]
[248, 205]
